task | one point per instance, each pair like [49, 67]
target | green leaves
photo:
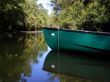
[84, 14]
[22, 15]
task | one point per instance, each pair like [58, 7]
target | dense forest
[91, 15]
[22, 15]
[17, 15]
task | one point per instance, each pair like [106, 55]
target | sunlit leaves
[24, 15]
[84, 14]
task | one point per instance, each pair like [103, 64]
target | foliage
[21, 15]
[9, 11]
[83, 14]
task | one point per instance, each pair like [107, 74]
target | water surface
[27, 58]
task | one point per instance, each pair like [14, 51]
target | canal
[25, 57]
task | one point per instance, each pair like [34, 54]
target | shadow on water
[72, 67]
[17, 52]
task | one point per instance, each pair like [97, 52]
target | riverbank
[31, 31]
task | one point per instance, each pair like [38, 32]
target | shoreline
[30, 31]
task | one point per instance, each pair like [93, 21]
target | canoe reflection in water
[78, 65]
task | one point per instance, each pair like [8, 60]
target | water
[27, 58]
[22, 57]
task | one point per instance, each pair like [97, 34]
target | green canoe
[84, 41]
[78, 65]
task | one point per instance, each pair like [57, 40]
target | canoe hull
[77, 40]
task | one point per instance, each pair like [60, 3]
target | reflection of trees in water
[17, 51]
[67, 78]
[42, 44]
[64, 78]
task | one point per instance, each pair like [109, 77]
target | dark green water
[27, 58]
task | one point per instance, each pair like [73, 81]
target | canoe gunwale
[79, 31]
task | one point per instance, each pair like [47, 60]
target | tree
[22, 15]
[83, 14]
[10, 13]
